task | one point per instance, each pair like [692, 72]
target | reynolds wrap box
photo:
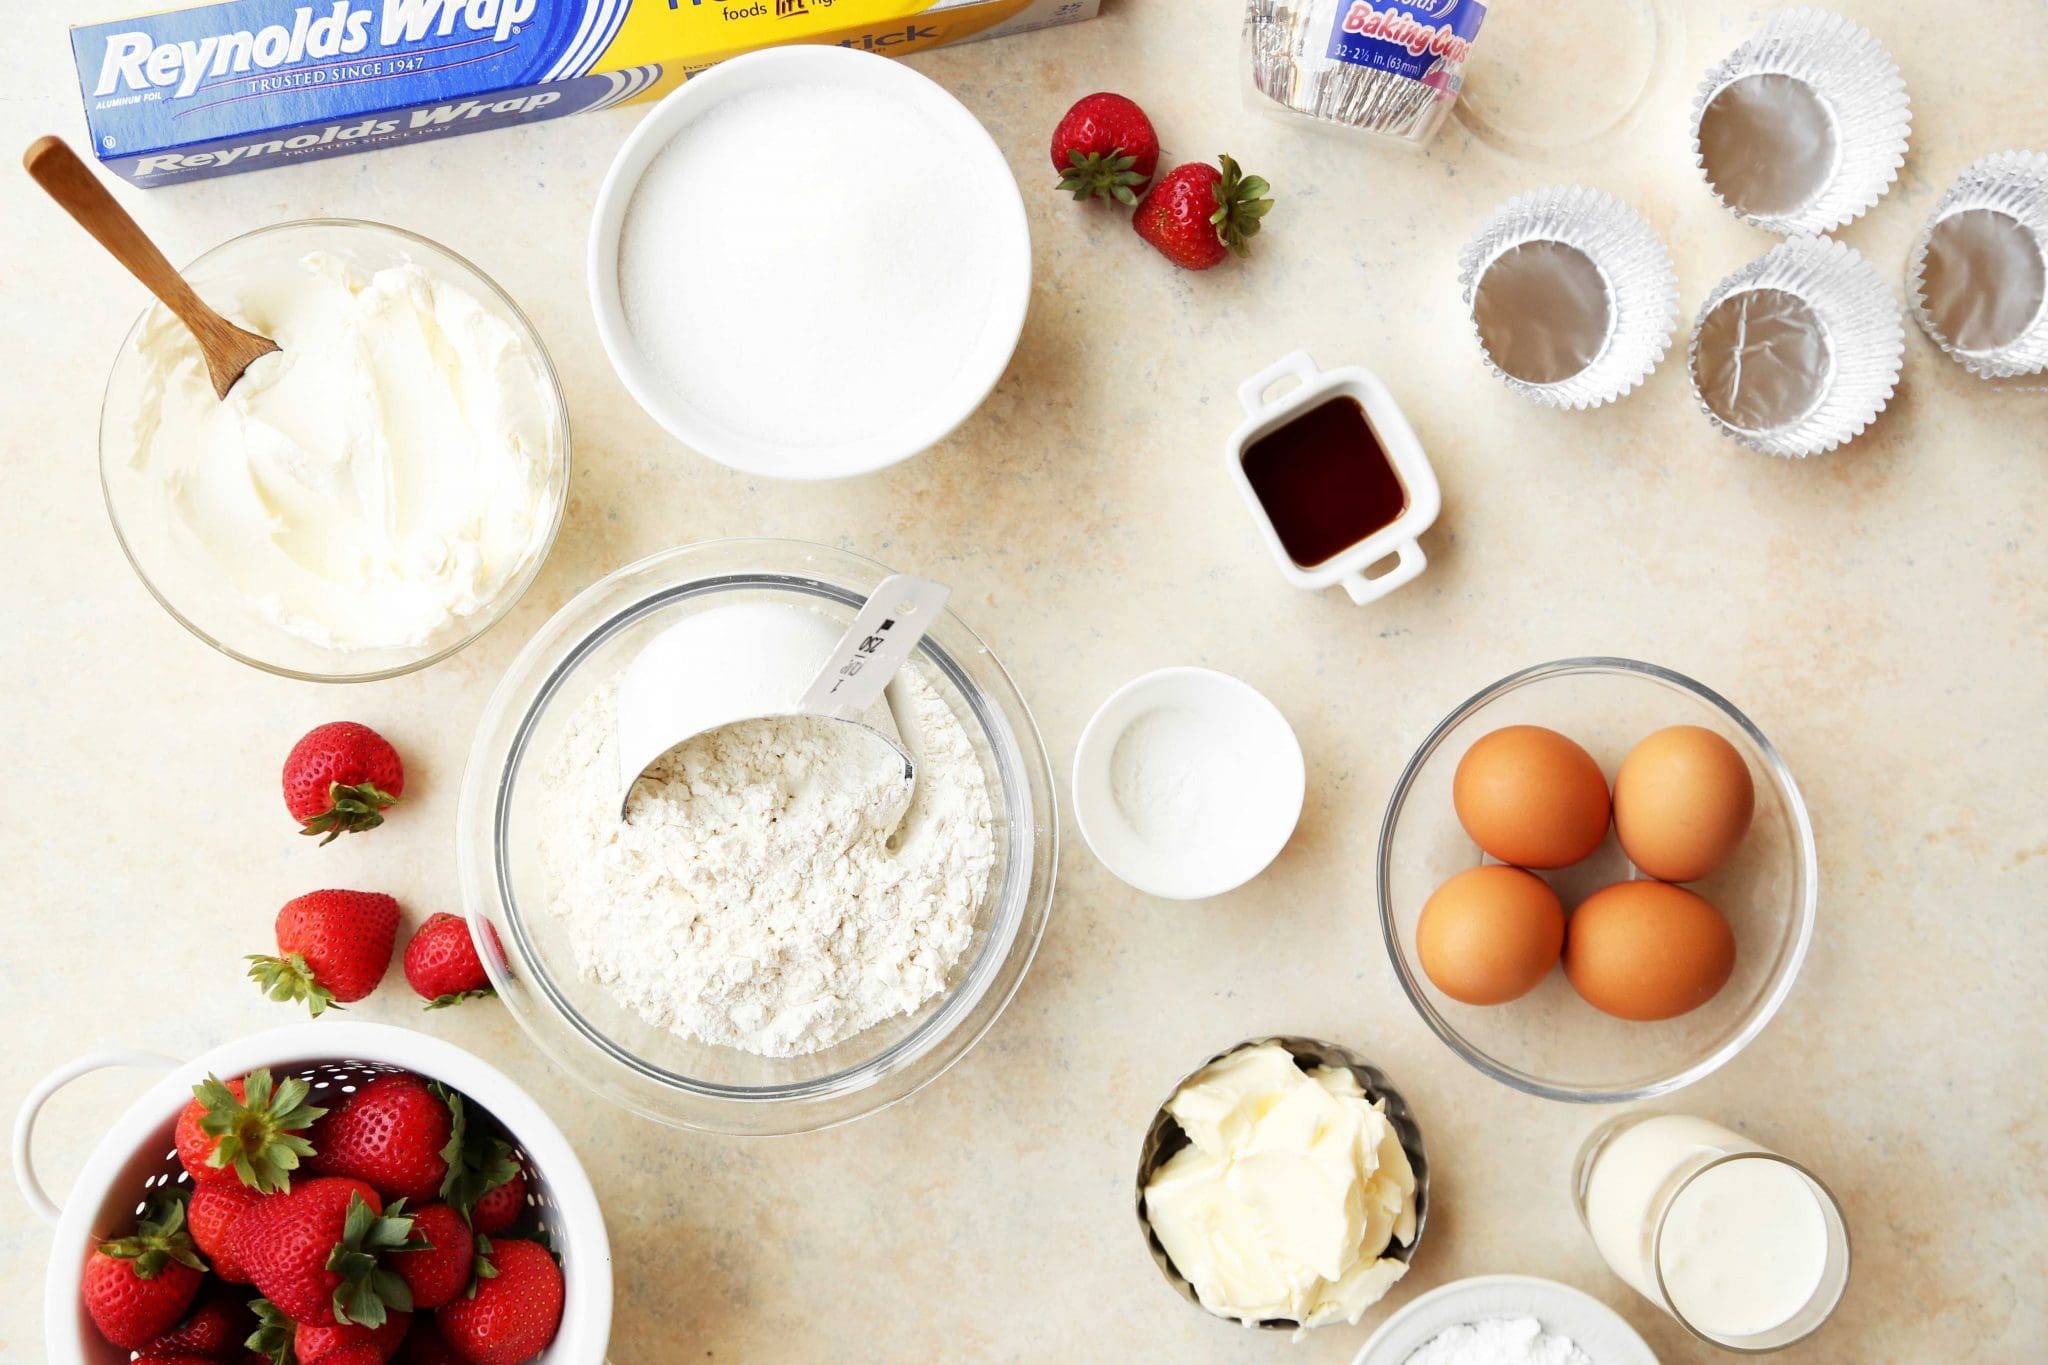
[210, 89]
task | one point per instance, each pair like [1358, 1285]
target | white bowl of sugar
[810, 263]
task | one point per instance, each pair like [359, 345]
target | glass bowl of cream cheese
[367, 500]
[766, 940]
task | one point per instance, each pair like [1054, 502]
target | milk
[1737, 1243]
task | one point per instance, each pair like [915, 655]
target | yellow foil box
[212, 89]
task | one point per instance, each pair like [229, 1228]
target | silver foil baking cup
[1864, 342]
[1165, 1138]
[1861, 94]
[2013, 186]
[1642, 286]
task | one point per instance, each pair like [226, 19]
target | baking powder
[775, 886]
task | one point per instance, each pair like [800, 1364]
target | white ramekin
[138, 1150]
[1008, 235]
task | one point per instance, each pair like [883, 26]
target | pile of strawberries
[333, 947]
[384, 1229]
[1196, 215]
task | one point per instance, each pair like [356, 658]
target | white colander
[138, 1154]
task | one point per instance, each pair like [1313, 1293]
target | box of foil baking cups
[1391, 69]
[1978, 276]
[1571, 294]
[1804, 126]
[1797, 352]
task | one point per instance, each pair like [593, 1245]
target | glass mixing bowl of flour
[560, 933]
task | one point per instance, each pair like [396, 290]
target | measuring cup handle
[1252, 393]
[1412, 563]
[25, 1121]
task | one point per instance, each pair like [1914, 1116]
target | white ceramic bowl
[1259, 796]
[1594, 1327]
[980, 171]
[137, 1154]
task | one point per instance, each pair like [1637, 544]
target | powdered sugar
[1498, 1341]
[775, 887]
[805, 264]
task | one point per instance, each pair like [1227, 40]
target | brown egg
[1531, 797]
[1490, 934]
[1682, 802]
[1648, 950]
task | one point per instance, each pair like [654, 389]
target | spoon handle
[72, 184]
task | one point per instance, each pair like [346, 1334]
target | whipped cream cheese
[386, 474]
[1292, 1186]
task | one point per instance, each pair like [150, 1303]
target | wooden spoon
[228, 349]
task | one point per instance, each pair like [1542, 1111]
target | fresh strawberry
[315, 1252]
[332, 946]
[439, 1273]
[480, 1170]
[1105, 148]
[1198, 215]
[244, 1133]
[340, 779]
[498, 1208]
[218, 1323]
[211, 1214]
[514, 1313]
[442, 965]
[425, 1345]
[391, 1134]
[355, 1355]
[138, 1287]
[317, 1345]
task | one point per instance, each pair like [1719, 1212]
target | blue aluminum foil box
[216, 88]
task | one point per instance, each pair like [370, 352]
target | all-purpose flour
[805, 264]
[773, 887]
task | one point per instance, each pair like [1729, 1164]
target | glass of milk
[1747, 1249]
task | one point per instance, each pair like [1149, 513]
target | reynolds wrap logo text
[135, 61]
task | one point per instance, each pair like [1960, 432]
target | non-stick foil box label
[211, 89]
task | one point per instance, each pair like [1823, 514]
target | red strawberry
[392, 1133]
[1105, 147]
[500, 1207]
[515, 1312]
[314, 1252]
[425, 1345]
[211, 1214]
[442, 964]
[244, 1133]
[138, 1287]
[440, 1273]
[355, 1355]
[331, 945]
[215, 1327]
[340, 779]
[316, 1345]
[1197, 215]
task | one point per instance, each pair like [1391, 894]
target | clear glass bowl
[1550, 1042]
[190, 588]
[607, 1046]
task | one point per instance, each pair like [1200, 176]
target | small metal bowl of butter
[1331, 1070]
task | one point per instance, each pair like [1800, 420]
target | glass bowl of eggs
[1597, 880]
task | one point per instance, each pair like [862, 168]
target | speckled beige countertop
[1881, 612]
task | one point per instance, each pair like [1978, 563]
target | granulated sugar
[805, 265]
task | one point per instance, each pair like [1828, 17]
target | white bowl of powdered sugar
[810, 262]
[778, 934]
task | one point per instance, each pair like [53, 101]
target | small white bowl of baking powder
[1187, 783]
[809, 263]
